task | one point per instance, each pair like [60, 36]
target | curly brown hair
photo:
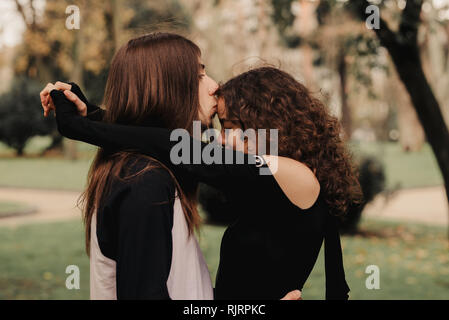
[268, 98]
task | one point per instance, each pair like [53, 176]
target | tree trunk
[70, 146]
[113, 25]
[306, 24]
[116, 25]
[19, 151]
[411, 133]
[409, 68]
[346, 120]
[403, 48]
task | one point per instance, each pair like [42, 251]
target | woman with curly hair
[283, 218]
[265, 98]
[270, 98]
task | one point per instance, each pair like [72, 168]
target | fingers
[62, 86]
[80, 105]
[293, 295]
[46, 101]
[77, 90]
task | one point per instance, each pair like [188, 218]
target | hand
[80, 105]
[293, 295]
[47, 102]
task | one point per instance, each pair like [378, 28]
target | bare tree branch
[33, 10]
[386, 36]
[21, 11]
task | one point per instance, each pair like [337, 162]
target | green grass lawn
[37, 144]
[403, 170]
[34, 146]
[53, 172]
[44, 173]
[412, 258]
[413, 261]
[8, 207]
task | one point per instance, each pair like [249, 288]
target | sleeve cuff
[61, 103]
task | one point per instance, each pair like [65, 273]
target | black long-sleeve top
[140, 242]
[134, 225]
[273, 245]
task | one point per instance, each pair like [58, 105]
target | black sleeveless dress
[273, 245]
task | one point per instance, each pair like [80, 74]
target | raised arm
[84, 107]
[157, 142]
[296, 180]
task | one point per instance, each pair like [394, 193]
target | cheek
[202, 91]
[202, 102]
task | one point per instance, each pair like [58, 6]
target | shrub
[372, 182]
[21, 116]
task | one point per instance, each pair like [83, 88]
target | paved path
[426, 205]
[51, 205]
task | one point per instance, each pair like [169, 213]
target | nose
[213, 87]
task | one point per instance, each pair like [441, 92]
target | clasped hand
[47, 102]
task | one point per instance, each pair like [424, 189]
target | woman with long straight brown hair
[139, 222]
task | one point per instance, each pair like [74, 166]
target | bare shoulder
[296, 180]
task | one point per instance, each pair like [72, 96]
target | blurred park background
[389, 86]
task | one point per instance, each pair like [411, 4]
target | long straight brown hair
[153, 80]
